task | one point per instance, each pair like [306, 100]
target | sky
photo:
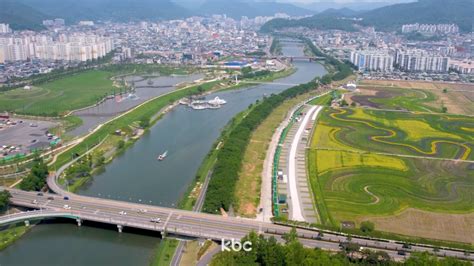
[342, 1]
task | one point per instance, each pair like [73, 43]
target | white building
[430, 28]
[421, 61]
[67, 48]
[86, 23]
[4, 28]
[372, 60]
[463, 67]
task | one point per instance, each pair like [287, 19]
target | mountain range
[29, 14]
[388, 18]
[238, 8]
[19, 12]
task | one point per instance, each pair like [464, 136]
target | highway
[181, 222]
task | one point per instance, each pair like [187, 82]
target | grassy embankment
[248, 186]
[353, 181]
[164, 253]
[11, 234]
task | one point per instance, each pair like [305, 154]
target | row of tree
[267, 251]
[37, 177]
[275, 48]
[229, 159]
[220, 193]
[343, 69]
[255, 74]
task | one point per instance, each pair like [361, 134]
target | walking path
[295, 203]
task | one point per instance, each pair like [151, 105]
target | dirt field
[451, 227]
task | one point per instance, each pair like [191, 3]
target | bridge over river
[175, 222]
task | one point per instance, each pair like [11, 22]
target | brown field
[450, 227]
[418, 84]
[459, 99]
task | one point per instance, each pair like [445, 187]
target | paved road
[186, 223]
[178, 254]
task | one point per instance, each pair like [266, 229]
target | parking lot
[22, 136]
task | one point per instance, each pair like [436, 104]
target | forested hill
[238, 8]
[391, 17]
[32, 12]
[20, 16]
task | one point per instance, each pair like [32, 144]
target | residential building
[372, 60]
[421, 61]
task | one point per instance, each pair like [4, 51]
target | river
[137, 176]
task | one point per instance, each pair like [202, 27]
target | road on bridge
[188, 223]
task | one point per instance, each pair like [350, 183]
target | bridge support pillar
[120, 228]
[27, 223]
[79, 222]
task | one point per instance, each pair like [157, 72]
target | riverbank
[249, 184]
[145, 118]
[136, 174]
[12, 233]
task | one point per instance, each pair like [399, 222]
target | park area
[408, 173]
[59, 96]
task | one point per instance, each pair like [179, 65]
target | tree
[120, 144]
[351, 247]
[367, 226]
[445, 90]
[144, 122]
[291, 236]
[246, 70]
[326, 79]
[36, 179]
[295, 253]
[444, 109]
[4, 199]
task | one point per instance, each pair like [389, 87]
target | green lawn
[59, 96]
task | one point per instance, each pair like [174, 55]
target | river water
[137, 176]
[93, 116]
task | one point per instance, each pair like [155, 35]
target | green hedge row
[220, 193]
